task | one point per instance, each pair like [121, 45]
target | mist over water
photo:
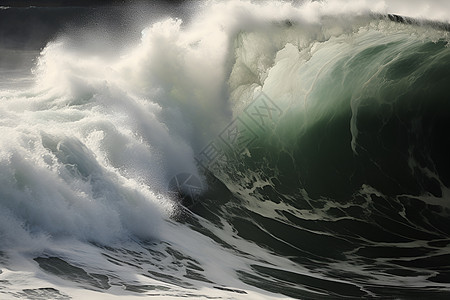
[307, 141]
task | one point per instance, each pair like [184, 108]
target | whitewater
[239, 150]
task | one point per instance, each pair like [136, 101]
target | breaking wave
[259, 150]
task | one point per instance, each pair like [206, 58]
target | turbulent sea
[228, 150]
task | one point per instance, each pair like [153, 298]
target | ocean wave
[256, 150]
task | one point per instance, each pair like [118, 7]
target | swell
[367, 107]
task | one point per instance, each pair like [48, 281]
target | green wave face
[368, 107]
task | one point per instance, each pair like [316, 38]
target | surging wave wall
[345, 193]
